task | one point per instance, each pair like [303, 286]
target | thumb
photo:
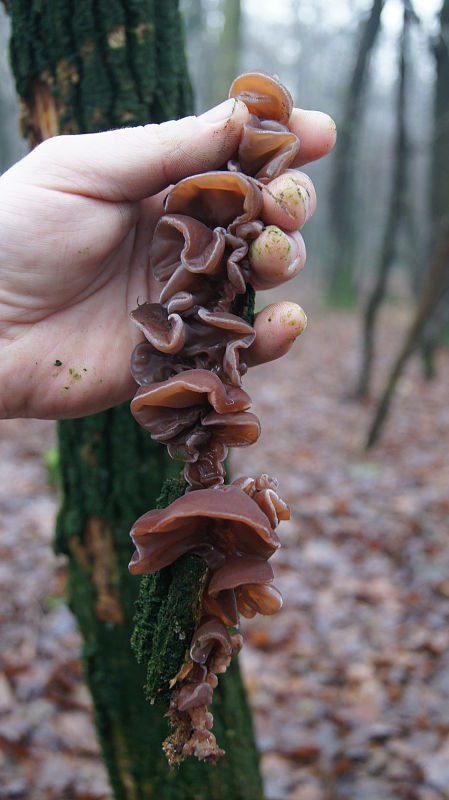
[133, 163]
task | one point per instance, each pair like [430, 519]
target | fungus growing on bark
[189, 370]
[212, 523]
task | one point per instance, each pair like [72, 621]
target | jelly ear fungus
[189, 369]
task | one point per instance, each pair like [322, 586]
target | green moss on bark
[176, 620]
[167, 610]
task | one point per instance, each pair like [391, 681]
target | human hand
[77, 217]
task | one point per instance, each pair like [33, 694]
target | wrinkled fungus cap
[223, 518]
[210, 634]
[216, 198]
[263, 96]
[194, 387]
[267, 146]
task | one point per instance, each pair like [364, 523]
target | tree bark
[435, 331]
[219, 50]
[86, 67]
[341, 289]
[226, 65]
[440, 153]
[395, 216]
[435, 291]
[437, 275]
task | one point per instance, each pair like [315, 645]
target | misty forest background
[348, 685]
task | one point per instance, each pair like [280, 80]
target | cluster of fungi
[190, 398]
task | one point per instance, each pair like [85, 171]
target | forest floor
[350, 682]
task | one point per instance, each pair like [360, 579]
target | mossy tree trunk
[85, 67]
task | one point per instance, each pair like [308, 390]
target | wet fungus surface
[189, 369]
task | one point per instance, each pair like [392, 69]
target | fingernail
[219, 113]
[294, 319]
[271, 249]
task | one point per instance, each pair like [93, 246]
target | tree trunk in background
[395, 215]
[341, 290]
[226, 63]
[438, 326]
[214, 54]
[83, 67]
[440, 152]
[433, 299]
[437, 277]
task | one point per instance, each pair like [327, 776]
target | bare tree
[341, 283]
[435, 293]
[438, 326]
[395, 215]
[228, 51]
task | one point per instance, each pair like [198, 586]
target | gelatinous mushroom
[226, 200]
[267, 146]
[219, 521]
[189, 370]
[192, 411]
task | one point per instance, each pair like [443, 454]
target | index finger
[316, 132]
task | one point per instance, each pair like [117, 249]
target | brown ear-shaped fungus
[170, 407]
[238, 570]
[254, 598]
[198, 417]
[196, 387]
[247, 578]
[264, 490]
[211, 650]
[224, 607]
[210, 634]
[267, 146]
[189, 370]
[263, 95]
[212, 340]
[224, 519]
[182, 249]
[218, 199]
[164, 331]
